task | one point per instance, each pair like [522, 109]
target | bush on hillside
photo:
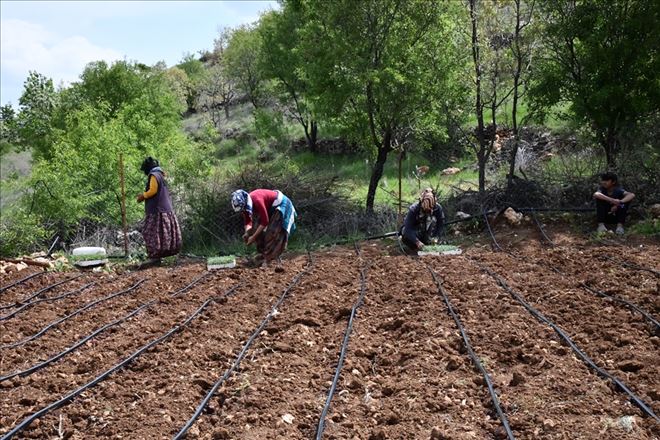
[323, 215]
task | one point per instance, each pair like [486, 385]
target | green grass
[354, 171]
[92, 257]
[649, 227]
[554, 119]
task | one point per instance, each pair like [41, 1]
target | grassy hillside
[248, 145]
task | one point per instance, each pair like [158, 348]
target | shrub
[20, 232]
[323, 215]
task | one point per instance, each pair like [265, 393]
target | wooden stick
[123, 203]
[28, 262]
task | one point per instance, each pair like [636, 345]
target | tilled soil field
[253, 353]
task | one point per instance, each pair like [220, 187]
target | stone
[512, 217]
[450, 171]
[655, 210]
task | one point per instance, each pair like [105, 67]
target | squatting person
[423, 222]
[275, 216]
[612, 203]
[161, 231]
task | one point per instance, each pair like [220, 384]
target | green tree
[8, 128]
[524, 47]
[113, 84]
[283, 62]
[178, 82]
[242, 59]
[36, 107]
[195, 72]
[78, 182]
[602, 60]
[384, 68]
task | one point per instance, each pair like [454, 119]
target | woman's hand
[246, 236]
[250, 240]
[140, 197]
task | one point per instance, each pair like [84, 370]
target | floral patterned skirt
[272, 242]
[162, 234]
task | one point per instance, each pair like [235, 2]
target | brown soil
[406, 373]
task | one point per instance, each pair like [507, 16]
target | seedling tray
[442, 249]
[89, 257]
[225, 262]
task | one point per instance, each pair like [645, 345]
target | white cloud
[28, 46]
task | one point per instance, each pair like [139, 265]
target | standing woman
[275, 216]
[161, 231]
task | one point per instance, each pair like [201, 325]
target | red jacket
[262, 201]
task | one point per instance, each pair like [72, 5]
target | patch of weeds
[649, 227]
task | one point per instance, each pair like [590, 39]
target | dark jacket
[416, 224]
[161, 202]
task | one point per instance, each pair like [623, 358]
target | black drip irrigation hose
[496, 245]
[344, 348]
[95, 333]
[634, 266]
[614, 298]
[42, 300]
[541, 229]
[582, 355]
[71, 315]
[584, 285]
[473, 355]
[205, 401]
[626, 263]
[22, 280]
[73, 394]
[39, 292]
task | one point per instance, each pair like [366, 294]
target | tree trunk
[609, 144]
[481, 158]
[315, 131]
[226, 106]
[476, 58]
[311, 131]
[377, 172]
[516, 86]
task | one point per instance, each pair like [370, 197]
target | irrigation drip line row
[581, 354]
[496, 245]
[344, 347]
[98, 331]
[541, 229]
[42, 300]
[205, 401]
[39, 292]
[71, 315]
[614, 298]
[475, 359]
[22, 280]
[628, 264]
[634, 266]
[599, 293]
[73, 394]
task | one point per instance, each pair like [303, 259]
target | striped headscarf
[427, 200]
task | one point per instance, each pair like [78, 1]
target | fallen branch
[45, 264]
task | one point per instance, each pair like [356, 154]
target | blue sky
[58, 38]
